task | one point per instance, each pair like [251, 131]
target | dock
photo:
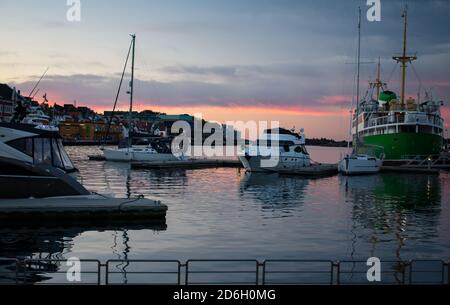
[315, 170]
[410, 169]
[79, 208]
[187, 164]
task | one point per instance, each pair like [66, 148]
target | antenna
[37, 84]
[35, 94]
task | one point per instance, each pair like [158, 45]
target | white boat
[277, 149]
[358, 163]
[145, 154]
[36, 117]
[127, 152]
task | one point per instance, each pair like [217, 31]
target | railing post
[99, 273]
[448, 271]
[264, 273]
[107, 273]
[25, 271]
[405, 265]
[410, 262]
[186, 279]
[258, 264]
[337, 267]
[17, 271]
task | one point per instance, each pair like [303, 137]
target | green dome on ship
[386, 97]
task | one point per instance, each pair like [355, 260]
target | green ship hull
[399, 146]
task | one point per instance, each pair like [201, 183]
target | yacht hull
[121, 155]
[351, 166]
[142, 155]
[264, 164]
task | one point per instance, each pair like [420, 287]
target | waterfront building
[89, 132]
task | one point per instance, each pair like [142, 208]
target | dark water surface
[226, 213]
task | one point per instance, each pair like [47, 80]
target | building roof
[176, 117]
[5, 92]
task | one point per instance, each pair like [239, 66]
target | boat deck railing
[220, 272]
[407, 119]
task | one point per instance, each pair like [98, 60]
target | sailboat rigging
[359, 163]
[125, 152]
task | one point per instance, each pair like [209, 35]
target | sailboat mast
[130, 119]
[358, 64]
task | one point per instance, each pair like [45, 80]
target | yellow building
[89, 132]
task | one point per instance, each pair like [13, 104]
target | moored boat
[358, 163]
[278, 148]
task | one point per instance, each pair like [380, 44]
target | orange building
[89, 132]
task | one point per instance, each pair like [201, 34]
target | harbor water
[225, 213]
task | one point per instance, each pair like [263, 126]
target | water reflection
[394, 209]
[119, 180]
[274, 191]
[53, 241]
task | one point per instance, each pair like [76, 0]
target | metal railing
[155, 272]
[408, 118]
[221, 272]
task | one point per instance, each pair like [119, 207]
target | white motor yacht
[277, 149]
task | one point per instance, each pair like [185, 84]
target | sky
[291, 61]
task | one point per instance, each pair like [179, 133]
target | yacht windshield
[51, 151]
[44, 150]
[68, 165]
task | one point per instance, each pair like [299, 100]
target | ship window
[301, 149]
[408, 128]
[23, 145]
[286, 148]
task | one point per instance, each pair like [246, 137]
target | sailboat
[126, 152]
[361, 160]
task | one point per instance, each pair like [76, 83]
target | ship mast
[378, 83]
[404, 59]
